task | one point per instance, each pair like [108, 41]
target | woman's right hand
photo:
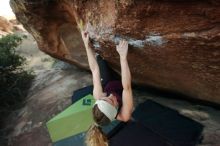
[122, 48]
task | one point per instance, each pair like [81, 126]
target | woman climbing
[116, 100]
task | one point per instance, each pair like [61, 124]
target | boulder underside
[173, 45]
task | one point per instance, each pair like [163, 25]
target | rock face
[174, 45]
[5, 26]
[9, 26]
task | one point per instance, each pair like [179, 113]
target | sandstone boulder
[5, 26]
[174, 44]
[9, 26]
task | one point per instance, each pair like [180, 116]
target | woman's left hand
[85, 37]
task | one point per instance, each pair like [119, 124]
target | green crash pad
[74, 120]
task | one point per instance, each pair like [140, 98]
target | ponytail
[96, 137]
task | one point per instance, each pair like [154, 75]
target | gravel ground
[53, 87]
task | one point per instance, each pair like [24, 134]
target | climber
[116, 100]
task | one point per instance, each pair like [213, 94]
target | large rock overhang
[173, 45]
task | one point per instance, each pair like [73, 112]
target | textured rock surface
[174, 45]
[5, 26]
[9, 26]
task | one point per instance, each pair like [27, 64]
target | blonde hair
[95, 135]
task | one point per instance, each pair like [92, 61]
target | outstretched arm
[127, 97]
[97, 87]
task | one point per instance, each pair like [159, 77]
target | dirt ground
[53, 87]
